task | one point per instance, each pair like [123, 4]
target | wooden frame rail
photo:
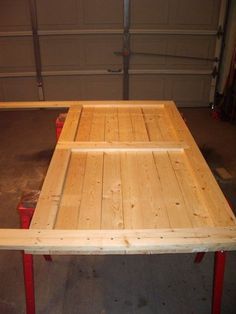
[126, 177]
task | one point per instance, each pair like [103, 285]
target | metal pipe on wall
[126, 49]
[37, 55]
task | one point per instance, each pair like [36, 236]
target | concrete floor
[105, 284]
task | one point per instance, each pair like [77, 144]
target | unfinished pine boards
[127, 177]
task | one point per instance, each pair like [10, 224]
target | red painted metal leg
[29, 283]
[48, 258]
[198, 258]
[26, 210]
[218, 281]
[59, 124]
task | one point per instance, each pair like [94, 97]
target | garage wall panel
[175, 14]
[189, 90]
[83, 87]
[78, 39]
[16, 54]
[98, 51]
[18, 89]
[103, 13]
[201, 14]
[80, 14]
[103, 87]
[57, 13]
[180, 45]
[76, 52]
[61, 52]
[151, 85]
[14, 15]
[186, 90]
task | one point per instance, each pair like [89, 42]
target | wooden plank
[138, 124]
[173, 198]
[68, 212]
[123, 105]
[198, 212]
[132, 212]
[91, 203]
[50, 196]
[209, 190]
[70, 127]
[112, 209]
[111, 125]
[84, 103]
[90, 208]
[174, 201]
[150, 193]
[125, 125]
[114, 146]
[151, 241]
[98, 125]
[84, 129]
[37, 104]
[147, 193]
[151, 120]
[166, 127]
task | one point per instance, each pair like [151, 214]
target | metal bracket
[37, 56]
[214, 72]
[219, 32]
[156, 54]
[126, 49]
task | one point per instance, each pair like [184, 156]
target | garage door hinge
[214, 72]
[219, 32]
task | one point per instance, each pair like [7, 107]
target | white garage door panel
[14, 15]
[78, 14]
[187, 90]
[78, 39]
[23, 60]
[83, 87]
[151, 85]
[86, 52]
[185, 45]
[18, 88]
[175, 14]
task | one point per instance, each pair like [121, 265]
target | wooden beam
[149, 241]
[71, 124]
[87, 103]
[122, 146]
[37, 104]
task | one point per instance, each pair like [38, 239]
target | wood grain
[126, 178]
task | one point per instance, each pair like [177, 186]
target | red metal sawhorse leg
[198, 258]
[59, 124]
[218, 279]
[26, 209]
[219, 269]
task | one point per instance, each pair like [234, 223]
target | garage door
[110, 49]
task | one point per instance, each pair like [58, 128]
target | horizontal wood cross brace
[122, 146]
[119, 241]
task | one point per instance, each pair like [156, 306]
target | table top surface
[128, 177]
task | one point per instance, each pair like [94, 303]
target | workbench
[127, 177]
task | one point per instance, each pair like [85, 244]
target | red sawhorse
[27, 213]
[26, 209]
[219, 268]
[59, 124]
[218, 282]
